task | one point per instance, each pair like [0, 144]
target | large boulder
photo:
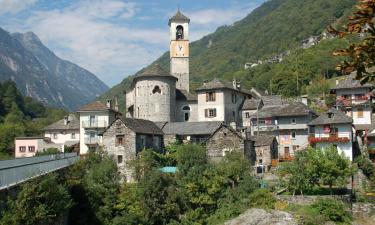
[262, 217]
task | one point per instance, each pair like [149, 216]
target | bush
[332, 210]
[262, 198]
[48, 151]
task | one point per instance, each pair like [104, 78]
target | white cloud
[14, 6]
[84, 34]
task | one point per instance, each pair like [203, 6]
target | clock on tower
[179, 49]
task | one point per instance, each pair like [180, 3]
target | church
[165, 97]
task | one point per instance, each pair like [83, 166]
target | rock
[262, 217]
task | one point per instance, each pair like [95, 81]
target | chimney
[205, 82]
[337, 82]
[304, 99]
[116, 104]
[233, 125]
[234, 82]
[238, 85]
[109, 103]
[66, 120]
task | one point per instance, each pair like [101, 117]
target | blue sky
[115, 38]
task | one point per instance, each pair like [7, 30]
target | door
[286, 152]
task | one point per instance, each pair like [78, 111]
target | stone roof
[332, 116]
[141, 126]
[184, 95]
[179, 17]
[271, 100]
[251, 104]
[217, 84]
[94, 106]
[350, 82]
[154, 71]
[262, 140]
[291, 109]
[73, 124]
[189, 128]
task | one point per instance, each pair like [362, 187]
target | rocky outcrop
[262, 217]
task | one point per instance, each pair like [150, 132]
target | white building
[333, 128]
[94, 118]
[65, 131]
[355, 100]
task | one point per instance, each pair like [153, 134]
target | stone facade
[124, 144]
[226, 140]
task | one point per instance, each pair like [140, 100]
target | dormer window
[330, 115]
[179, 32]
[156, 90]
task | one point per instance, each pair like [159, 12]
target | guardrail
[15, 171]
[94, 124]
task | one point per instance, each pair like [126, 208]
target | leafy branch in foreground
[361, 55]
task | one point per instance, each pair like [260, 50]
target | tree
[361, 55]
[41, 201]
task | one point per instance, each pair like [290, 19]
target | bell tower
[179, 49]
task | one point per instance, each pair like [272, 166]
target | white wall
[218, 104]
[62, 136]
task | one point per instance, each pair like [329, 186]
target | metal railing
[94, 124]
[91, 141]
[15, 171]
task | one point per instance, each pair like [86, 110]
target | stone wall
[127, 150]
[309, 199]
[224, 140]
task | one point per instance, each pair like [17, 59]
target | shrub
[332, 210]
[262, 198]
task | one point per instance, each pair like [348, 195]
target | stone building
[182, 132]
[265, 151]
[126, 137]
[226, 140]
[162, 96]
[333, 128]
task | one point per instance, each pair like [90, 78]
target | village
[174, 149]
[223, 116]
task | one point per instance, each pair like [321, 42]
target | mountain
[274, 27]
[39, 73]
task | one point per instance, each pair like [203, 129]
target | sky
[115, 38]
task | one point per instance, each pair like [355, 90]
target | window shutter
[206, 113]
[214, 112]
[207, 96]
[214, 96]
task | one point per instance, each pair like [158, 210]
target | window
[73, 136]
[143, 141]
[234, 114]
[294, 135]
[119, 159]
[119, 140]
[360, 112]
[247, 115]
[54, 135]
[210, 113]
[210, 96]
[234, 98]
[137, 92]
[31, 148]
[186, 108]
[156, 90]
[294, 121]
[22, 148]
[186, 116]
[179, 32]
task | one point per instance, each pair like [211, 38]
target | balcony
[94, 124]
[353, 100]
[265, 127]
[92, 141]
[332, 138]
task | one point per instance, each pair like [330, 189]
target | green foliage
[315, 167]
[262, 198]
[332, 210]
[48, 151]
[41, 201]
[21, 116]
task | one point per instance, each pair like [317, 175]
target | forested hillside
[21, 116]
[274, 27]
